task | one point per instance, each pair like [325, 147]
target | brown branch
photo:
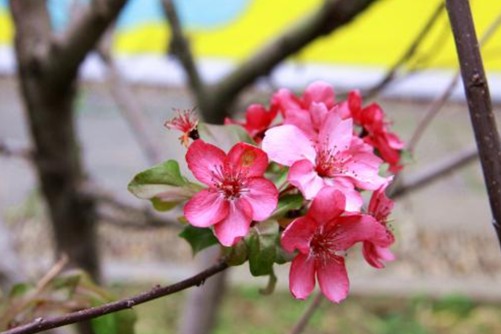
[69, 51]
[435, 172]
[408, 54]
[41, 324]
[181, 49]
[330, 16]
[479, 103]
[439, 102]
[305, 318]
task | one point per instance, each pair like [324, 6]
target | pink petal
[327, 205]
[363, 168]
[298, 235]
[287, 144]
[246, 157]
[285, 100]
[354, 200]
[262, 195]
[204, 160]
[357, 228]
[380, 205]
[302, 276]
[206, 208]
[301, 118]
[302, 175]
[320, 92]
[318, 114]
[376, 256]
[333, 279]
[335, 134]
[236, 225]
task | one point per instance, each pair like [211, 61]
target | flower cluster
[300, 165]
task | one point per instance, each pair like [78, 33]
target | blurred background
[400, 53]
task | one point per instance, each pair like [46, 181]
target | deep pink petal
[284, 99]
[380, 205]
[206, 208]
[236, 225]
[287, 144]
[298, 235]
[204, 160]
[302, 276]
[357, 228]
[320, 92]
[354, 200]
[262, 195]
[327, 205]
[333, 279]
[246, 157]
[376, 256]
[335, 134]
[302, 175]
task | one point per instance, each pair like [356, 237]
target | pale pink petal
[327, 205]
[298, 235]
[363, 168]
[320, 92]
[302, 119]
[236, 225]
[394, 142]
[246, 157]
[335, 134]
[206, 208]
[356, 228]
[333, 279]
[302, 276]
[318, 114]
[262, 195]
[376, 256]
[302, 175]
[204, 160]
[287, 144]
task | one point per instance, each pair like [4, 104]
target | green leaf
[198, 238]
[164, 185]
[287, 203]
[20, 289]
[107, 324]
[272, 282]
[237, 254]
[65, 285]
[262, 252]
[223, 136]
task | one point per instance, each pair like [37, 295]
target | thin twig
[408, 54]
[479, 103]
[305, 318]
[435, 172]
[181, 49]
[41, 324]
[128, 104]
[439, 102]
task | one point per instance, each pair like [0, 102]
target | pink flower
[186, 122]
[237, 192]
[257, 120]
[371, 119]
[309, 111]
[321, 239]
[337, 159]
[377, 251]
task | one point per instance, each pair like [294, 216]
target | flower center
[230, 183]
[324, 244]
[329, 164]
